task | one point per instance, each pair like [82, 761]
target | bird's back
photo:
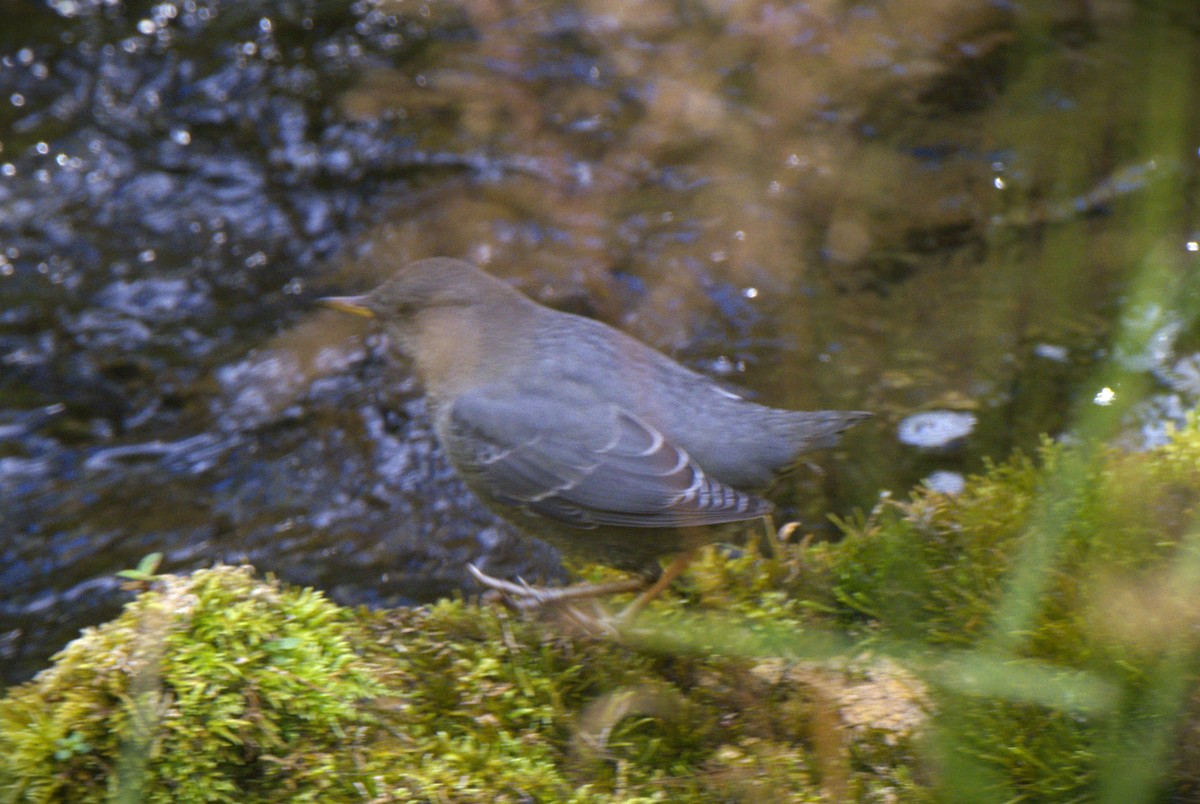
[742, 444]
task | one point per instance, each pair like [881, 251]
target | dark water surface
[963, 215]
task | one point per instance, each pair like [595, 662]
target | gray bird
[579, 434]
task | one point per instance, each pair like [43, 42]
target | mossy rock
[221, 687]
[1033, 638]
[1075, 570]
[214, 687]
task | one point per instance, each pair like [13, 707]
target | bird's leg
[672, 572]
[769, 543]
[524, 596]
[528, 597]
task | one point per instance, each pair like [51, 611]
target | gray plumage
[578, 433]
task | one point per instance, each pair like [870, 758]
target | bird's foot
[523, 596]
[565, 602]
[532, 598]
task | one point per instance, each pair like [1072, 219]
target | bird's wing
[586, 464]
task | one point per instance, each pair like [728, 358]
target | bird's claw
[522, 595]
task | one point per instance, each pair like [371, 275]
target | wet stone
[936, 429]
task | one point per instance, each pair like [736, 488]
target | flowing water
[943, 211]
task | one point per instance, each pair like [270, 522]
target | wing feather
[586, 464]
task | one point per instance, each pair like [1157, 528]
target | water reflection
[936, 429]
[895, 208]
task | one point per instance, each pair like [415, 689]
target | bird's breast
[449, 352]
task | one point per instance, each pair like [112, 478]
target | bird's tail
[819, 429]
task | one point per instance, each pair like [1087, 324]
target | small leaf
[146, 568]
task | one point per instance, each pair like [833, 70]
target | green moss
[218, 687]
[210, 688]
[503, 709]
[1117, 608]
[932, 569]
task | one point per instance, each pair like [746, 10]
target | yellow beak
[355, 305]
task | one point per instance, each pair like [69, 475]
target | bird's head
[436, 311]
[426, 284]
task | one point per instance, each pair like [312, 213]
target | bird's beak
[356, 305]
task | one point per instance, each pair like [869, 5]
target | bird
[579, 434]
